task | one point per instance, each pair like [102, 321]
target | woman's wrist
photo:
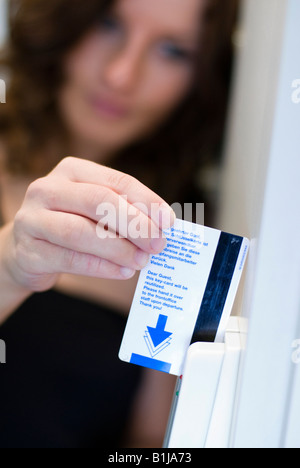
[13, 293]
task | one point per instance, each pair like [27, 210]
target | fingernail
[127, 272]
[159, 244]
[141, 258]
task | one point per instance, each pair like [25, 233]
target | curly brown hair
[42, 33]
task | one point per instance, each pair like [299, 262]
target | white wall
[261, 199]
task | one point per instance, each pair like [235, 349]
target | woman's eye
[174, 52]
[110, 23]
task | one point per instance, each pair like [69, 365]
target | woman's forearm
[12, 295]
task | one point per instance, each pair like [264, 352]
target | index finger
[82, 171]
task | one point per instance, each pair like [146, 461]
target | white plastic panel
[204, 404]
[218, 435]
[197, 395]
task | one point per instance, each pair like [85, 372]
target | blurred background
[65, 385]
[253, 190]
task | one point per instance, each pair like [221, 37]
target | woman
[124, 84]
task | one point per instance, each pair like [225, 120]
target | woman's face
[128, 74]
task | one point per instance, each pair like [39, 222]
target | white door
[261, 199]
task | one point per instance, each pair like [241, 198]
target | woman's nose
[124, 68]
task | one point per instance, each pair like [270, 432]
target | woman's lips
[109, 108]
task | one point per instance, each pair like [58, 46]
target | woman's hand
[58, 229]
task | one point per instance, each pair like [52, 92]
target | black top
[63, 385]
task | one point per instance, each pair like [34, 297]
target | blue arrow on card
[159, 335]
